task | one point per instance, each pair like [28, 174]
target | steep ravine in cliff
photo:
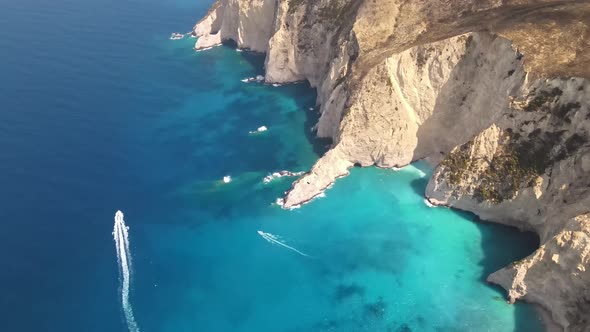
[495, 93]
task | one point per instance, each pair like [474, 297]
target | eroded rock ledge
[496, 92]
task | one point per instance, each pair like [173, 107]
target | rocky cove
[494, 93]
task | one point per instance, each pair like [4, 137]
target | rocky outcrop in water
[495, 93]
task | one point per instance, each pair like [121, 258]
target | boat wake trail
[120, 233]
[275, 240]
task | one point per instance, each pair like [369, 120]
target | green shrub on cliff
[504, 177]
[456, 163]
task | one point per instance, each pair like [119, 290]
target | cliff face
[531, 166]
[402, 105]
[494, 91]
[248, 23]
[531, 169]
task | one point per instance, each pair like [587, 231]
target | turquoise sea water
[99, 111]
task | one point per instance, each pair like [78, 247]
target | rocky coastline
[496, 94]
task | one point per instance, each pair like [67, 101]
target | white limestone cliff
[421, 92]
[248, 23]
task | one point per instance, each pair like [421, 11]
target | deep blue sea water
[99, 111]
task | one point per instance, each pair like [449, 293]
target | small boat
[259, 130]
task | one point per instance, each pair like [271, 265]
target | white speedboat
[259, 130]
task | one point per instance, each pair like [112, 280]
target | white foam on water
[280, 174]
[121, 236]
[427, 202]
[257, 78]
[281, 202]
[206, 48]
[274, 239]
[413, 169]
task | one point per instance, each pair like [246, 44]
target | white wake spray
[121, 236]
[275, 240]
